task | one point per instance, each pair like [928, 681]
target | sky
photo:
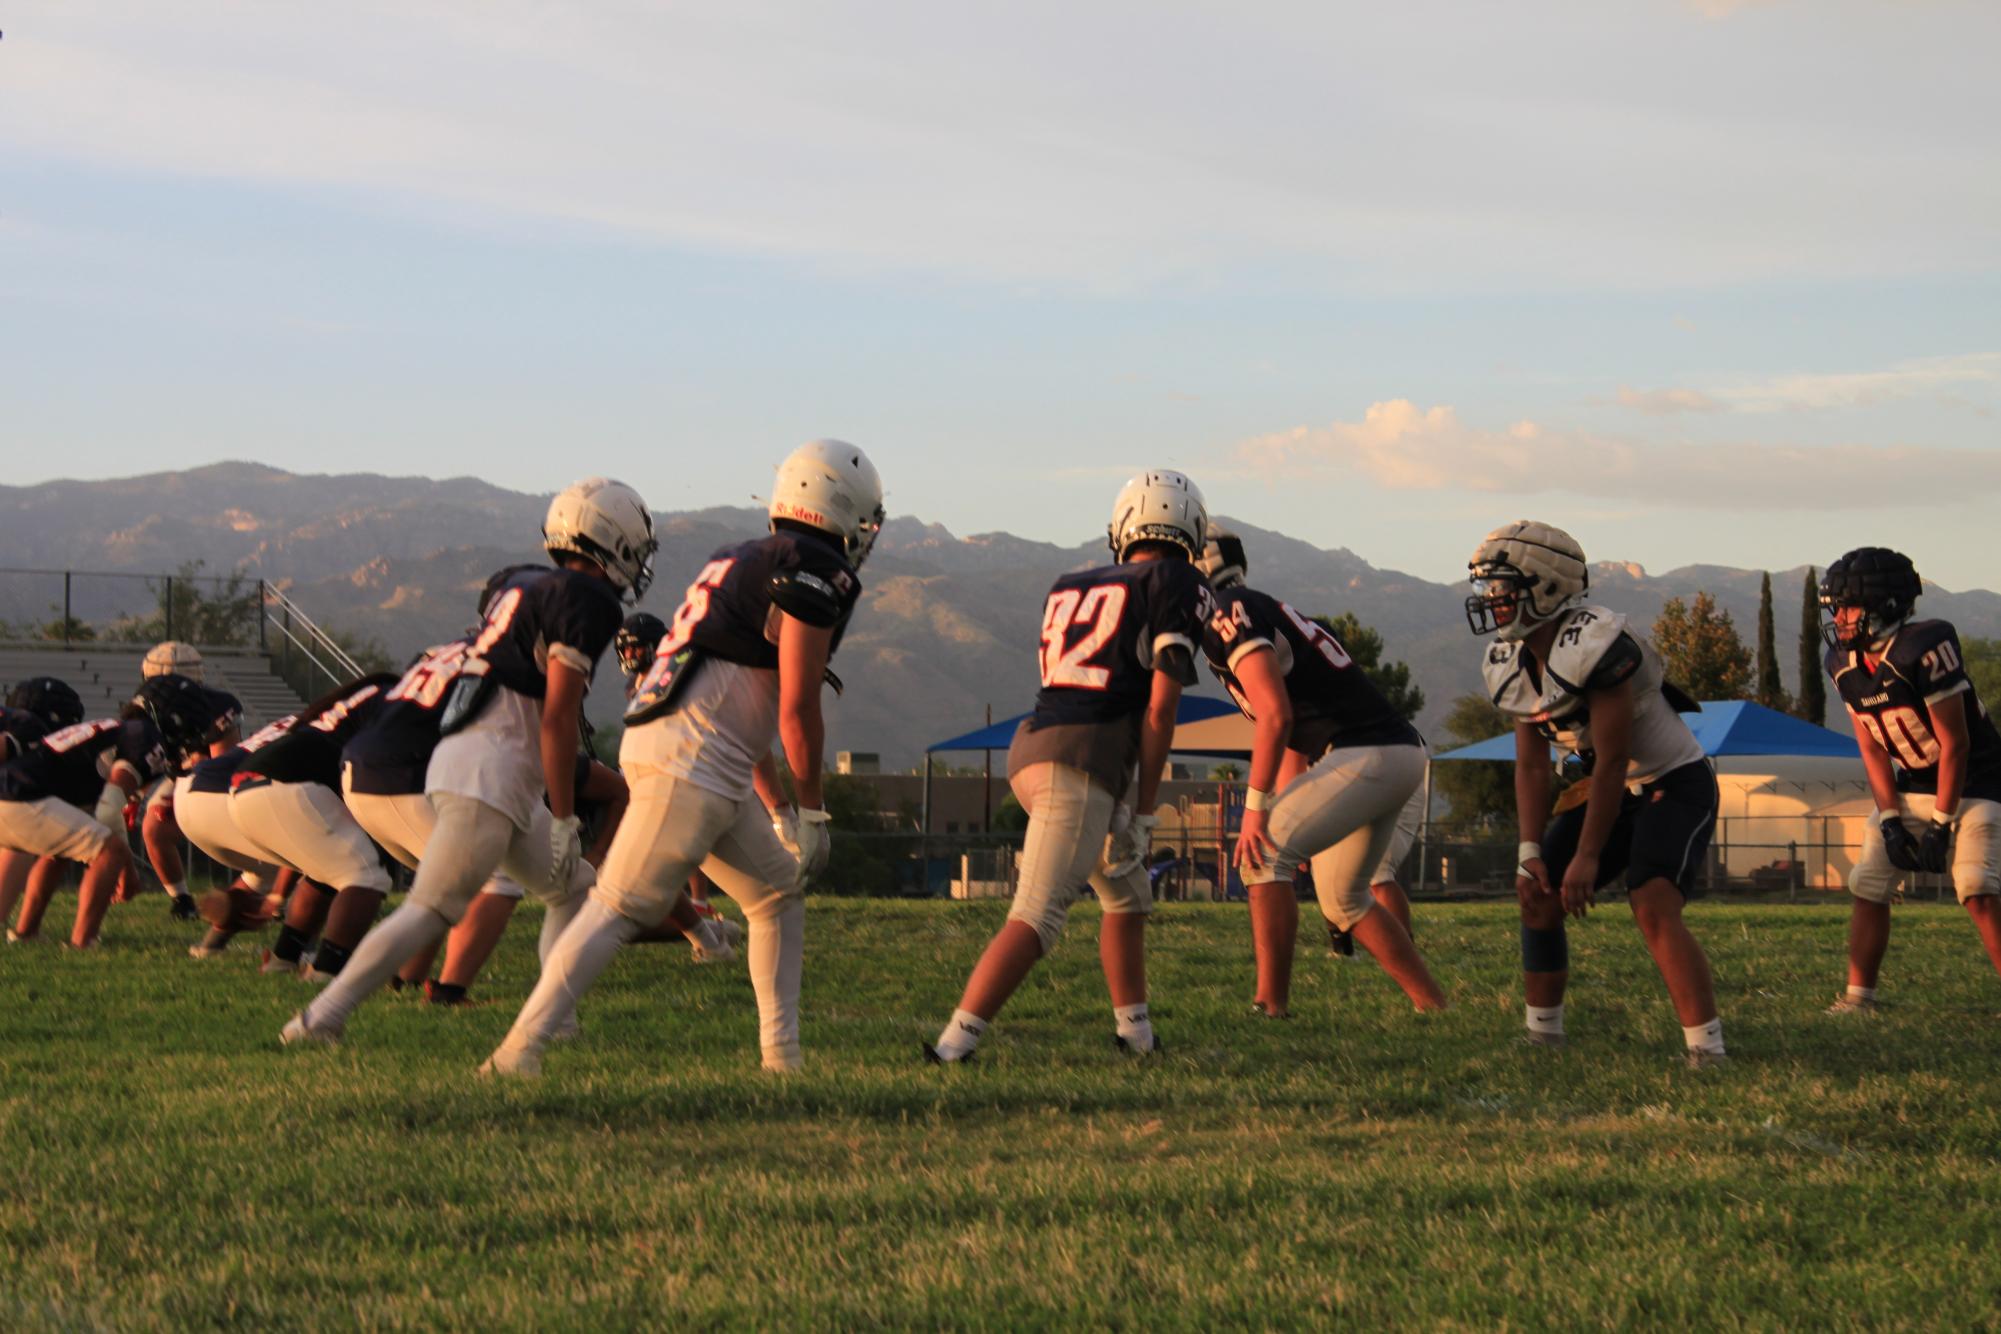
[1703, 281]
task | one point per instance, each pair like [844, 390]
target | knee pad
[769, 906]
[1545, 950]
[1046, 918]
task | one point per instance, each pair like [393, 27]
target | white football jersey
[1590, 640]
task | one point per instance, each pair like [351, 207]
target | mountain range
[948, 625]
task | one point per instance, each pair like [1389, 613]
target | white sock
[251, 881]
[1546, 1019]
[962, 1033]
[777, 944]
[1856, 993]
[556, 918]
[1134, 1026]
[1704, 1037]
[583, 951]
[177, 889]
[381, 952]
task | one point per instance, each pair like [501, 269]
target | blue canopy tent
[1201, 727]
[1723, 728]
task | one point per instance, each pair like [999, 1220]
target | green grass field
[165, 1164]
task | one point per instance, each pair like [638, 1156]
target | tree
[1771, 691]
[204, 609]
[1700, 649]
[1227, 772]
[1983, 668]
[1811, 701]
[1477, 792]
[1365, 646]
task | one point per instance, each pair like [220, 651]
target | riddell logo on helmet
[787, 510]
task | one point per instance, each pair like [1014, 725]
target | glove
[1935, 847]
[816, 843]
[1126, 849]
[1903, 849]
[565, 847]
[785, 824]
[183, 909]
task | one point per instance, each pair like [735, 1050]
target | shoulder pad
[1917, 638]
[812, 596]
[1587, 634]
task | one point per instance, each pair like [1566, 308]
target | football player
[284, 801]
[35, 707]
[511, 698]
[159, 828]
[637, 639]
[1932, 754]
[742, 662]
[1118, 645]
[202, 813]
[67, 796]
[1571, 674]
[1332, 768]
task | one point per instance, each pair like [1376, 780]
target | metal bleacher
[106, 676]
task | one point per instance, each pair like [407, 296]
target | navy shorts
[1662, 832]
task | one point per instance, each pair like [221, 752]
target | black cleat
[931, 1057]
[184, 908]
[1340, 942]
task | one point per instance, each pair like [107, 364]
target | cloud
[1861, 389]
[1666, 402]
[1095, 147]
[1398, 446]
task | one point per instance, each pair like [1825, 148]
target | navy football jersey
[19, 730]
[1102, 631]
[1921, 666]
[1333, 701]
[391, 753]
[72, 764]
[216, 773]
[535, 608]
[310, 752]
[732, 610]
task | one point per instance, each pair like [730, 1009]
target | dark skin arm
[1532, 801]
[1258, 677]
[562, 705]
[605, 786]
[802, 666]
[1156, 739]
[1948, 719]
[1612, 740]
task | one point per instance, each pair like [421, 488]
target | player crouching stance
[512, 700]
[744, 659]
[1932, 754]
[1343, 762]
[1571, 674]
[1118, 644]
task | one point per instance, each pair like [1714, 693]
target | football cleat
[1847, 1004]
[1700, 1058]
[931, 1056]
[183, 909]
[1158, 1048]
[728, 934]
[1551, 1041]
[16, 938]
[1258, 1011]
[1340, 944]
[568, 1031]
[297, 1032]
[272, 966]
[205, 951]
[512, 1063]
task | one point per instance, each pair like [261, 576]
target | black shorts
[1662, 832]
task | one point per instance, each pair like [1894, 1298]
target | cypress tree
[1811, 701]
[1771, 691]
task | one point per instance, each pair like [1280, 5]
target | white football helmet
[1527, 572]
[1159, 506]
[604, 521]
[1223, 561]
[831, 486]
[172, 658]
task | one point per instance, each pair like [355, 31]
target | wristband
[1884, 817]
[1256, 799]
[1528, 852]
[1945, 818]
